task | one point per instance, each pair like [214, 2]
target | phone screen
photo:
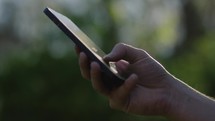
[110, 75]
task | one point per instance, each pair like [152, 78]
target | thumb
[122, 68]
[125, 52]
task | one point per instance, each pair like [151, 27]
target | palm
[149, 88]
[145, 100]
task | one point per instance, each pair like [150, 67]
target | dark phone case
[109, 79]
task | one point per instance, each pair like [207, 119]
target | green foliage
[42, 82]
[196, 66]
[51, 89]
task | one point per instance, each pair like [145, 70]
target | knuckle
[85, 75]
[120, 45]
[111, 104]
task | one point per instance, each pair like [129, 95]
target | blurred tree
[188, 60]
[8, 34]
[192, 27]
[40, 79]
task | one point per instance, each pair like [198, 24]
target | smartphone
[110, 76]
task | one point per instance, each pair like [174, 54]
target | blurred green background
[39, 74]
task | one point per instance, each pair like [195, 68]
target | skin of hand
[145, 90]
[148, 89]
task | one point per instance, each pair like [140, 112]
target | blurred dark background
[39, 73]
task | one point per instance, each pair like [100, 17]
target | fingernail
[134, 76]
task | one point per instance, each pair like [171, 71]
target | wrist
[178, 96]
[187, 104]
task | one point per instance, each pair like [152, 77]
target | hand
[145, 90]
[148, 89]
